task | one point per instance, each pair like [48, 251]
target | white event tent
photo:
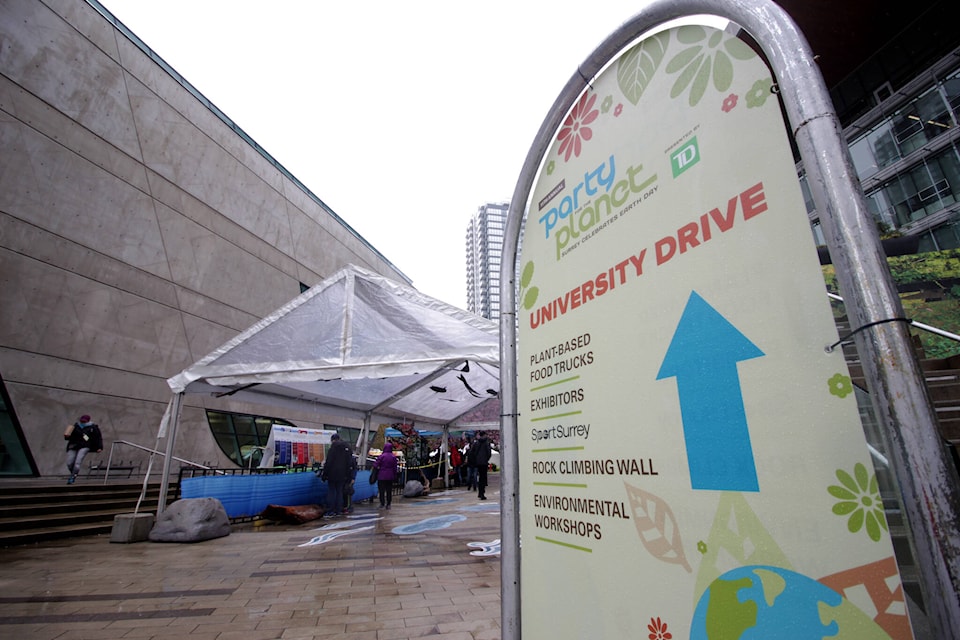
[357, 345]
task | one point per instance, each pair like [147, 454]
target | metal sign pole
[927, 479]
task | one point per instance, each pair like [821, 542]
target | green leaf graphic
[700, 83]
[873, 527]
[738, 49]
[688, 34]
[855, 523]
[843, 508]
[683, 58]
[863, 478]
[847, 481]
[527, 274]
[530, 298]
[637, 66]
[840, 492]
[722, 71]
[684, 79]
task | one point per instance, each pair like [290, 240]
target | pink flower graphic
[729, 103]
[575, 126]
[658, 630]
[618, 110]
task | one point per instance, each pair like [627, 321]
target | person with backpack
[83, 436]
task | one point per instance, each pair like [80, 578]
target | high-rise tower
[484, 246]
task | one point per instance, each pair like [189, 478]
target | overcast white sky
[403, 117]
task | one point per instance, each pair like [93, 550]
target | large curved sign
[691, 457]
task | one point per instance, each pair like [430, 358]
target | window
[15, 458]
[807, 196]
[242, 436]
[919, 192]
[951, 91]
[947, 236]
[878, 204]
[874, 150]
[907, 130]
[922, 120]
[818, 234]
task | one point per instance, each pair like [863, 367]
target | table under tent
[357, 345]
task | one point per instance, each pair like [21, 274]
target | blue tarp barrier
[244, 496]
[396, 433]
[362, 489]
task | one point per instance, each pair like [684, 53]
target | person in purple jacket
[387, 471]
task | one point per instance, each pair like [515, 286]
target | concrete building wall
[138, 232]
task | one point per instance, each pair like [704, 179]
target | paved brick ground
[376, 581]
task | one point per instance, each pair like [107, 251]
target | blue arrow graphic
[703, 357]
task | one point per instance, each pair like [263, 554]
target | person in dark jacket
[337, 471]
[83, 436]
[482, 457]
[471, 464]
[387, 467]
[349, 489]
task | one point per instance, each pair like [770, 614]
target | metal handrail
[913, 323]
[106, 473]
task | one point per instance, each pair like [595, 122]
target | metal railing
[913, 323]
[113, 446]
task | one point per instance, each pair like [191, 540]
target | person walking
[349, 489]
[471, 464]
[456, 464]
[337, 473]
[387, 467]
[83, 436]
[482, 457]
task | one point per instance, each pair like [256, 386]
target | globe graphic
[769, 603]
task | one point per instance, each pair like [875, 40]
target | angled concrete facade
[139, 230]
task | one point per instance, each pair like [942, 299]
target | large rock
[412, 489]
[191, 520]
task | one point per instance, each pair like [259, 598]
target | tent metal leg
[171, 438]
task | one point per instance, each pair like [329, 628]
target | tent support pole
[444, 448]
[363, 442]
[171, 437]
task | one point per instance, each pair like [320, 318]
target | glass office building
[904, 141]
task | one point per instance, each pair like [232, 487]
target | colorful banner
[691, 457]
[292, 446]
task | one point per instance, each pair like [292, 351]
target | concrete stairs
[40, 509]
[943, 386]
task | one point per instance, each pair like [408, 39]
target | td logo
[685, 157]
